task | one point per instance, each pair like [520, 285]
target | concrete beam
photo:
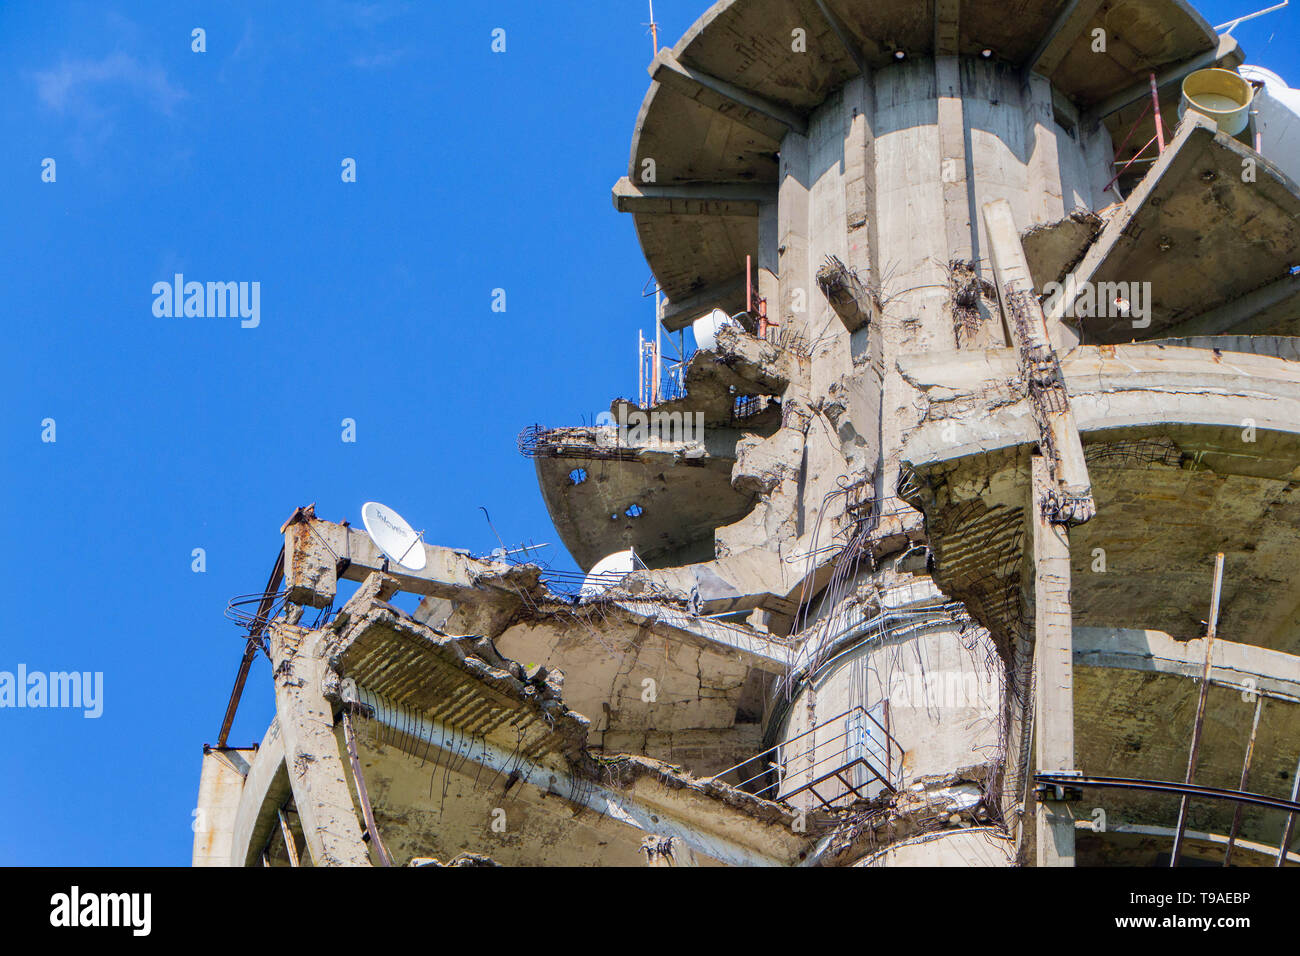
[679, 313]
[1230, 315]
[947, 27]
[1067, 28]
[845, 36]
[1227, 50]
[1071, 497]
[692, 199]
[317, 552]
[1241, 667]
[1221, 839]
[1053, 713]
[848, 296]
[658, 819]
[266, 789]
[771, 119]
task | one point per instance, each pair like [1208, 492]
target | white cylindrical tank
[1277, 108]
[1222, 95]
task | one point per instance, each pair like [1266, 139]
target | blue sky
[475, 171]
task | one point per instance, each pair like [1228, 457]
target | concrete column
[952, 159]
[311, 750]
[860, 179]
[1033, 339]
[1043, 163]
[792, 228]
[768, 262]
[1053, 669]
[866, 345]
[221, 784]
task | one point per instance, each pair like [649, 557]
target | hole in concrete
[634, 511]
[578, 476]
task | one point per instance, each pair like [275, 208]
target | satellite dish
[393, 536]
[706, 329]
[608, 571]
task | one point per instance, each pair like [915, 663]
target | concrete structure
[930, 585]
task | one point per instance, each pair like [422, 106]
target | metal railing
[861, 754]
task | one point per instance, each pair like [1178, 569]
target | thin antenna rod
[654, 28]
[1232, 24]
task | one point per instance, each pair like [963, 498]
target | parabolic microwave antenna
[391, 534]
[706, 329]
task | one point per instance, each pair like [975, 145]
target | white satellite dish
[393, 536]
[608, 571]
[706, 329]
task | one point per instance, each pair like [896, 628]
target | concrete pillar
[1043, 162]
[1034, 342]
[311, 750]
[792, 228]
[768, 262]
[860, 179]
[221, 784]
[952, 159]
[1053, 669]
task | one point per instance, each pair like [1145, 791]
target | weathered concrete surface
[316, 772]
[1055, 248]
[1053, 710]
[1211, 222]
[790, 512]
[976, 847]
[1248, 669]
[221, 784]
[266, 789]
[1139, 725]
[315, 549]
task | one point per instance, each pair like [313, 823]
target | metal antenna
[1231, 25]
[492, 526]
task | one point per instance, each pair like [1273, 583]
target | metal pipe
[289, 843]
[1170, 786]
[1200, 707]
[1155, 103]
[358, 777]
[251, 647]
[1245, 775]
[1290, 817]
[654, 391]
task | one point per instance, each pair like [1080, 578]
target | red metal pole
[1155, 103]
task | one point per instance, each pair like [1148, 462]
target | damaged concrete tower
[914, 561]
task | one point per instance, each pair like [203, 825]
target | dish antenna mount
[391, 534]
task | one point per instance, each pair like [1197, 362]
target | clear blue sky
[475, 171]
